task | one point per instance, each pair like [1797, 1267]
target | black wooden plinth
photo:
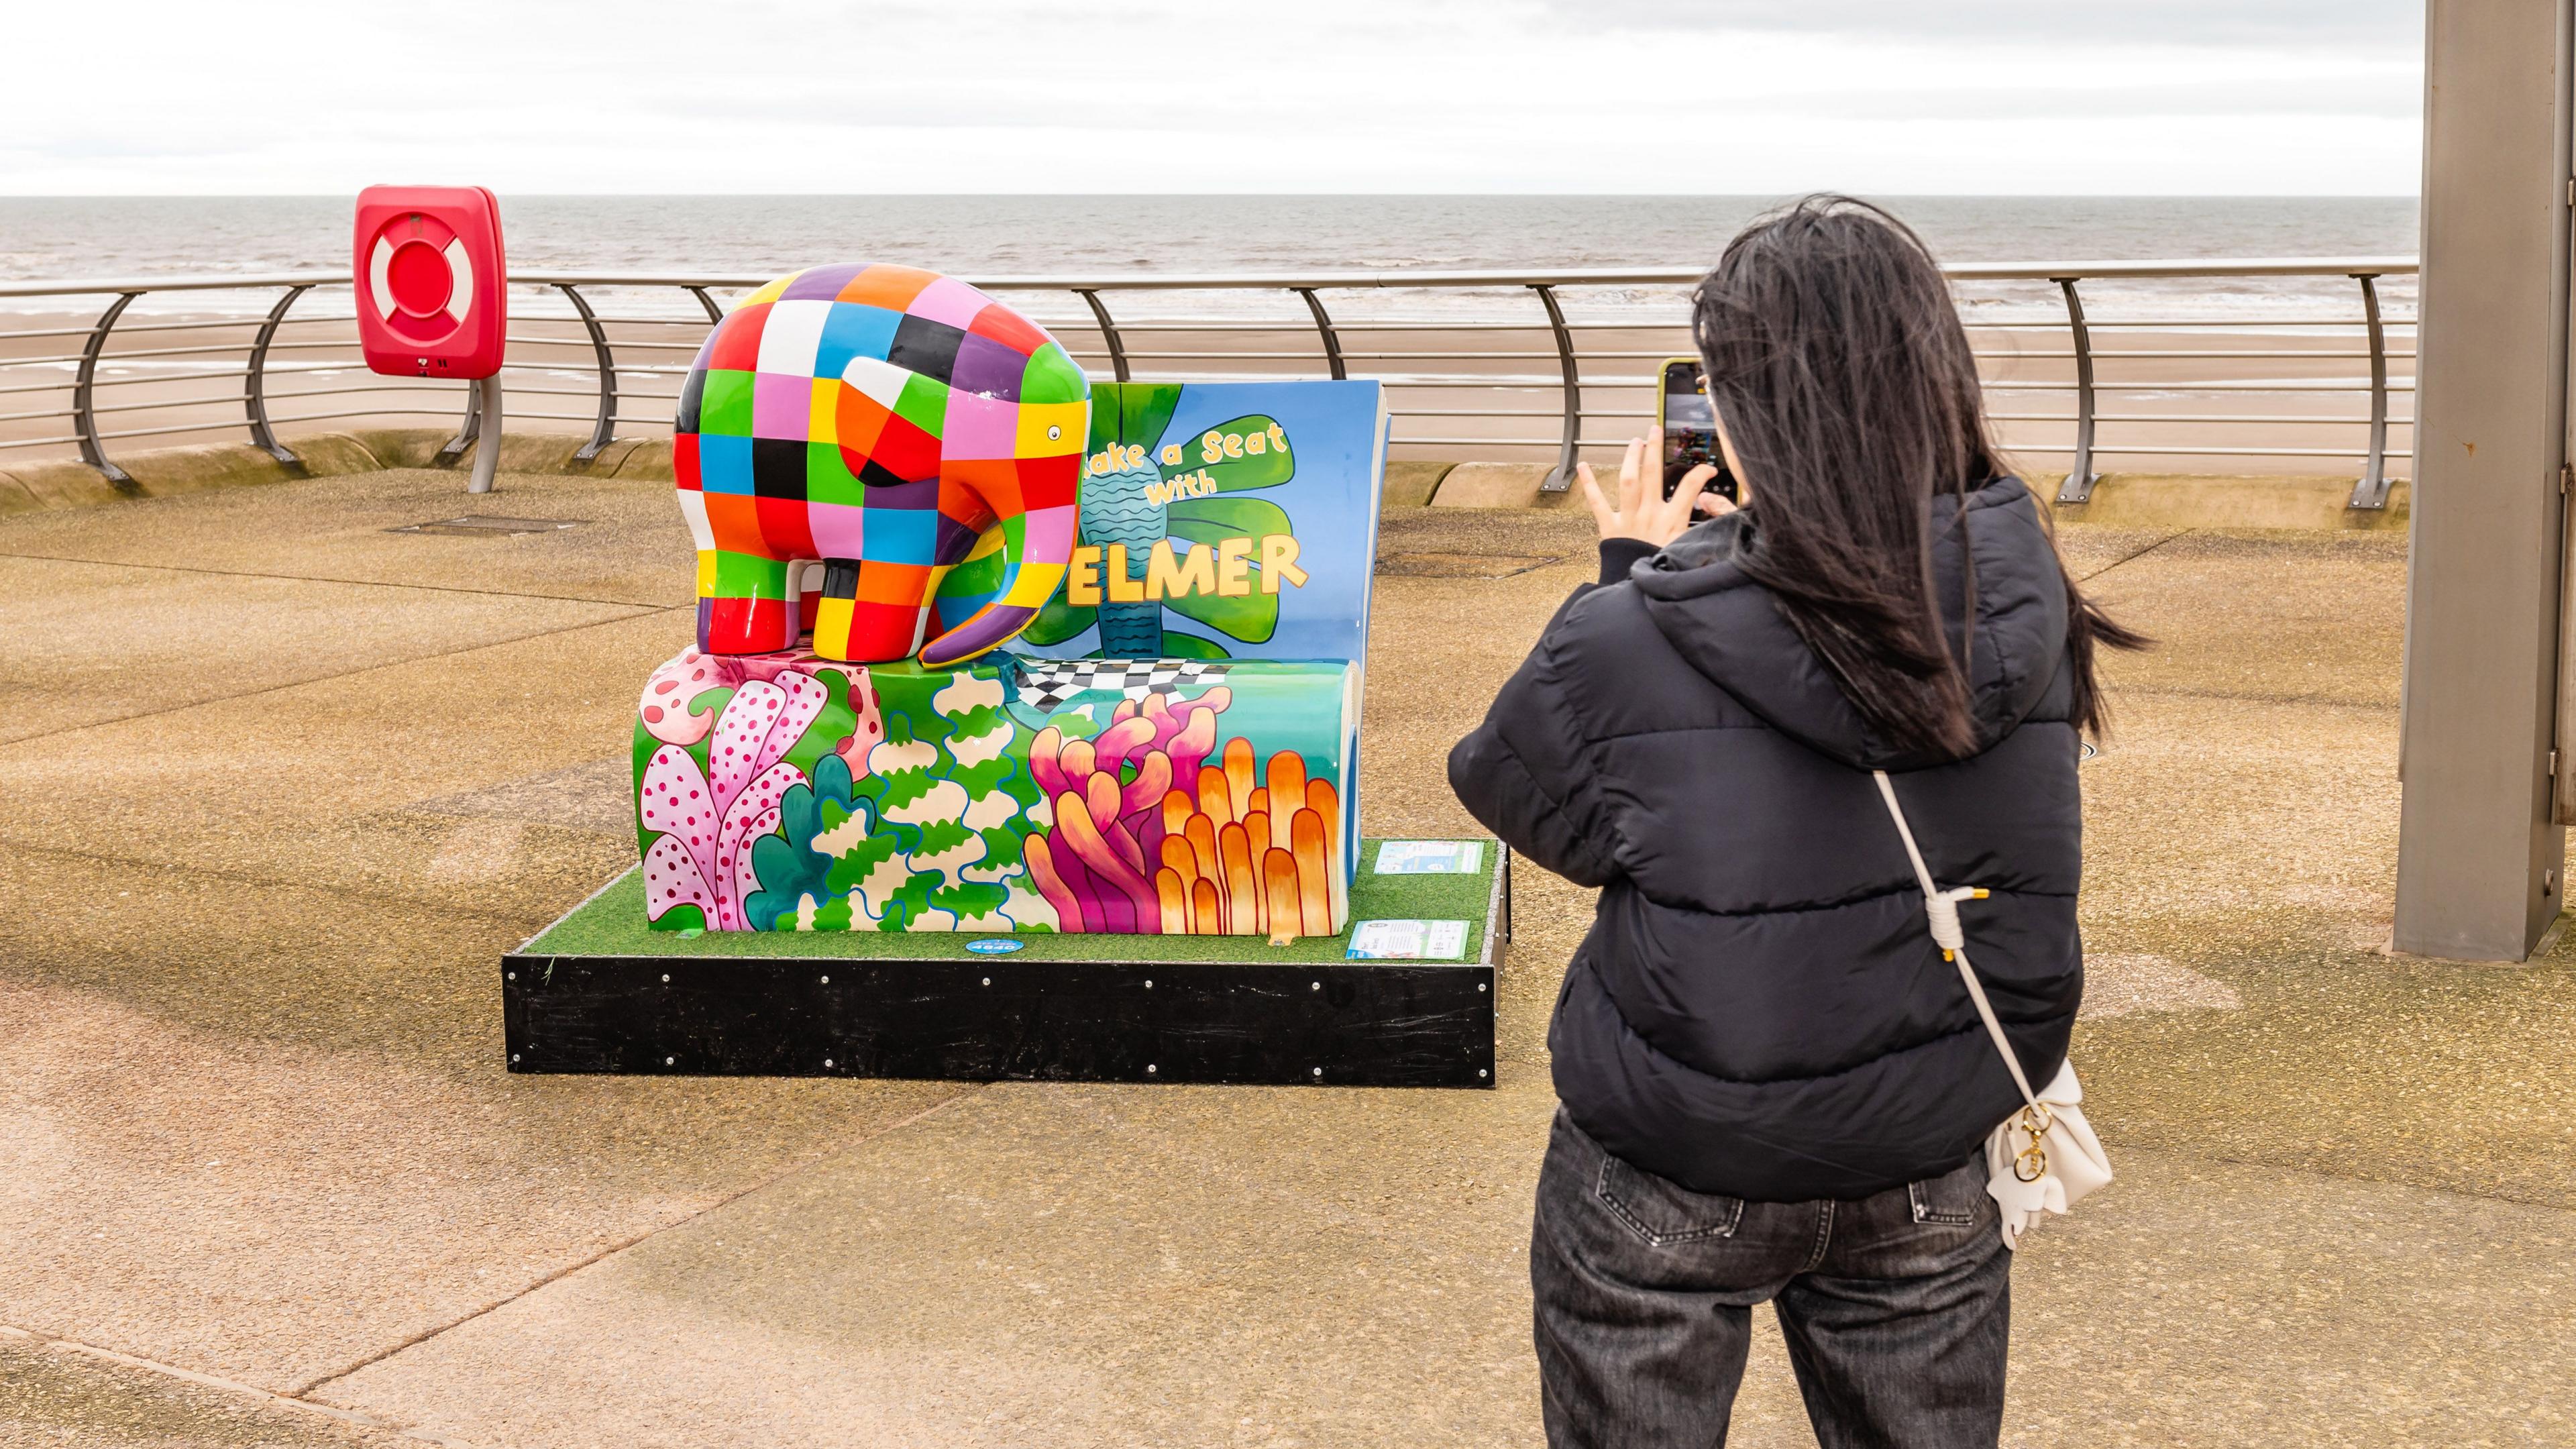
[1376, 1024]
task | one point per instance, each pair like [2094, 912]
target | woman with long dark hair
[1771, 1086]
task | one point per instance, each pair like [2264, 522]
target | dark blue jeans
[1895, 1307]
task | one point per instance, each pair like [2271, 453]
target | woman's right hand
[1644, 513]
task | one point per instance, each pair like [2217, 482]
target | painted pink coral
[733, 751]
[742, 826]
[709, 818]
[867, 722]
[1096, 867]
[672, 879]
[677, 802]
[743, 880]
[664, 709]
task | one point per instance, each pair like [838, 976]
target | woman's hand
[1645, 513]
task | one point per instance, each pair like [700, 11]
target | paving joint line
[613, 1249]
[2132, 558]
[636, 611]
[243, 877]
[2168, 691]
[1222, 1167]
[2410, 1184]
[321, 579]
[357, 1417]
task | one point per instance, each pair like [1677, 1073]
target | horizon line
[1202, 195]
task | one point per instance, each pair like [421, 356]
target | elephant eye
[1054, 433]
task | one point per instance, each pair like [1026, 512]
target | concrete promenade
[277, 786]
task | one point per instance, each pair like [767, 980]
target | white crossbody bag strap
[1943, 909]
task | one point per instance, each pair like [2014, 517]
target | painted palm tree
[1141, 489]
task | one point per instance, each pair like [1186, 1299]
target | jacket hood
[1731, 629]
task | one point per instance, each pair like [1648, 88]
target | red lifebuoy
[432, 289]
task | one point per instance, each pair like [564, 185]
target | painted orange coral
[1180, 846]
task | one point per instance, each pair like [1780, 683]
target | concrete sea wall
[2143, 500]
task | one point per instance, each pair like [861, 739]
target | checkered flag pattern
[1046, 684]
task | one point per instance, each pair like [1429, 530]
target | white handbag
[2044, 1158]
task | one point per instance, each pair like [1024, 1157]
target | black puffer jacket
[1758, 1009]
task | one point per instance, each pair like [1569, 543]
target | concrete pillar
[2479, 855]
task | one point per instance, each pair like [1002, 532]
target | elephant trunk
[1034, 512]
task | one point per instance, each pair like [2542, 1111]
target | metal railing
[1475, 379]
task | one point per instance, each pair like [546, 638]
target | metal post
[84, 418]
[2478, 852]
[2080, 477]
[1108, 333]
[1324, 326]
[466, 432]
[2372, 490]
[1562, 477]
[715, 313]
[604, 431]
[487, 433]
[255, 379]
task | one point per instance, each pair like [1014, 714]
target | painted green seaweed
[922, 839]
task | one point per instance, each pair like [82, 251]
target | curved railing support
[1562, 476]
[604, 431]
[2080, 476]
[255, 380]
[487, 433]
[466, 431]
[84, 415]
[1108, 333]
[1324, 328]
[91, 419]
[2372, 490]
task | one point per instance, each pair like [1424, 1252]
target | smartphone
[1689, 421]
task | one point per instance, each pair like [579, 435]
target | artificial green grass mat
[612, 924]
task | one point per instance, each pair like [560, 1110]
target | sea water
[105, 237]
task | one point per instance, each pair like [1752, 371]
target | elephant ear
[1206, 522]
[1248, 452]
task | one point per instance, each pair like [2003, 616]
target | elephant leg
[833, 611]
[742, 604]
[872, 612]
[806, 578]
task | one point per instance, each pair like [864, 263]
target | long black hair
[1838, 365]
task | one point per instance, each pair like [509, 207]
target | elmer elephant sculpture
[880, 420]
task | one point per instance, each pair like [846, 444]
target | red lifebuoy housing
[433, 299]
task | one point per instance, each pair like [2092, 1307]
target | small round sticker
[994, 945]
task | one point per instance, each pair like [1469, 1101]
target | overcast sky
[1717, 96]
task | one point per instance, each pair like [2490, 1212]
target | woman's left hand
[1645, 513]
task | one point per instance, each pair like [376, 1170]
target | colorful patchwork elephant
[877, 419]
